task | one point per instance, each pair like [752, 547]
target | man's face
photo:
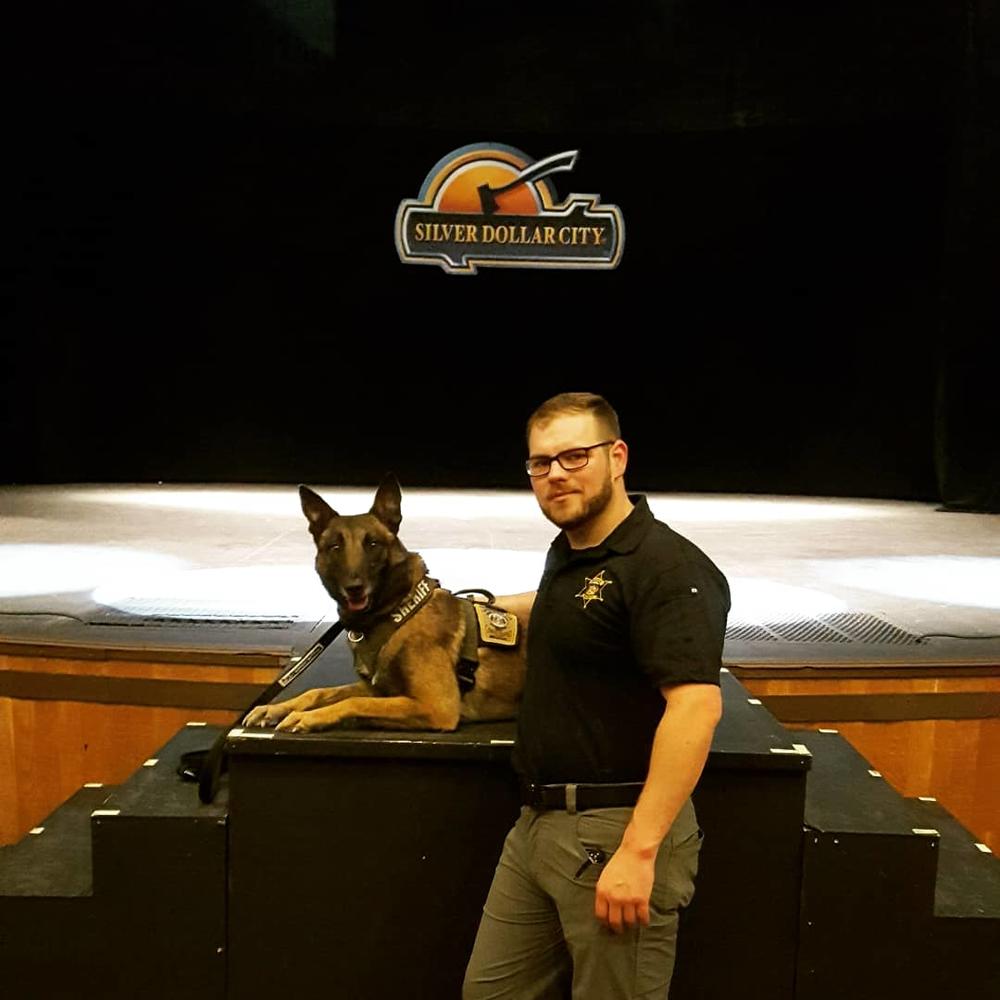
[570, 499]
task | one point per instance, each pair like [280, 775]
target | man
[620, 703]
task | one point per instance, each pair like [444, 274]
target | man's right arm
[519, 604]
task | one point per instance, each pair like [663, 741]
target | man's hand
[623, 890]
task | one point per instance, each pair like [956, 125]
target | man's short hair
[577, 402]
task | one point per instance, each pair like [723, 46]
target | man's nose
[556, 472]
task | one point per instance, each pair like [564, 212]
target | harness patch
[496, 628]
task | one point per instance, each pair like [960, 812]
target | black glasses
[571, 459]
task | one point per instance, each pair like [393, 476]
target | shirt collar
[625, 538]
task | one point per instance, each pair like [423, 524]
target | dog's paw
[265, 715]
[296, 722]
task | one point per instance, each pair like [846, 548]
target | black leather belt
[574, 798]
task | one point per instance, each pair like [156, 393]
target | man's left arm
[680, 749]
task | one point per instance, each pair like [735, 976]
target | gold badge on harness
[496, 628]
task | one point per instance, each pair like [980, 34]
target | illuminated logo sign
[490, 205]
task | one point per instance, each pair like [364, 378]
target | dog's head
[356, 553]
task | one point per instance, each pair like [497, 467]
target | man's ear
[317, 511]
[387, 503]
[619, 458]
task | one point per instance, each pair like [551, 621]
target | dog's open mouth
[357, 599]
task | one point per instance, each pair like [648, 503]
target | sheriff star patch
[593, 588]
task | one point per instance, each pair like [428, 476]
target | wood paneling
[48, 749]
[138, 669]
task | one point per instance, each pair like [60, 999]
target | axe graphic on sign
[550, 165]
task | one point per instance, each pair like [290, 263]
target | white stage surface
[849, 586]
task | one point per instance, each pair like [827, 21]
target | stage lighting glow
[759, 509]
[29, 570]
[502, 571]
[236, 500]
[230, 592]
[756, 600]
[284, 501]
[969, 581]
[472, 505]
[295, 591]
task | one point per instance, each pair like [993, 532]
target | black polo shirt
[609, 626]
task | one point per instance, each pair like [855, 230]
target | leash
[206, 766]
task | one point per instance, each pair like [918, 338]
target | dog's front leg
[271, 715]
[400, 712]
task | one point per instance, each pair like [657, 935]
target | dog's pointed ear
[317, 511]
[387, 503]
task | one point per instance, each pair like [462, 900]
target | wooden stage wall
[65, 722]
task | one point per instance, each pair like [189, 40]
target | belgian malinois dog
[407, 634]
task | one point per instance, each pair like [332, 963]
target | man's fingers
[619, 916]
[615, 918]
[608, 912]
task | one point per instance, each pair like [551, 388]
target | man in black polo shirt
[620, 703]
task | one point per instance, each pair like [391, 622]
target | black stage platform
[354, 864]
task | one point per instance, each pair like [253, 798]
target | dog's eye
[372, 543]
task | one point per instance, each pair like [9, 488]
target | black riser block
[746, 903]
[54, 948]
[361, 879]
[162, 883]
[865, 900]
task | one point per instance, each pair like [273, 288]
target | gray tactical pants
[539, 938]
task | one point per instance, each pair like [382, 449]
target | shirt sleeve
[677, 625]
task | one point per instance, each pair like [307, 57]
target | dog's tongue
[357, 605]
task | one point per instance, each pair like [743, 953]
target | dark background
[205, 286]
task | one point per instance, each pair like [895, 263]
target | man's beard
[592, 508]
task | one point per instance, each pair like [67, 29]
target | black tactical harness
[485, 625]
[365, 646]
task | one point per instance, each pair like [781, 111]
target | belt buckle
[571, 800]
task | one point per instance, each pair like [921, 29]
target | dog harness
[485, 625]
[365, 646]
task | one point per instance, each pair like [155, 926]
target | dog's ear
[387, 501]
[318, 512]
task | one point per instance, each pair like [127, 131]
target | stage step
[868, 881]
[160, 872]
[964, 933]
[50, 929]
[122, 893]
[54, 858]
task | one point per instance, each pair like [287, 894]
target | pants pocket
[599, 834]
[677, 863]
[676, 868]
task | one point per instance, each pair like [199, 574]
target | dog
[408, 635]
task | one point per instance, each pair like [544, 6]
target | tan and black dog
[411, 639]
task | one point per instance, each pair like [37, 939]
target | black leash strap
[206, 766]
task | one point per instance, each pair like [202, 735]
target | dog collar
[366, 646]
